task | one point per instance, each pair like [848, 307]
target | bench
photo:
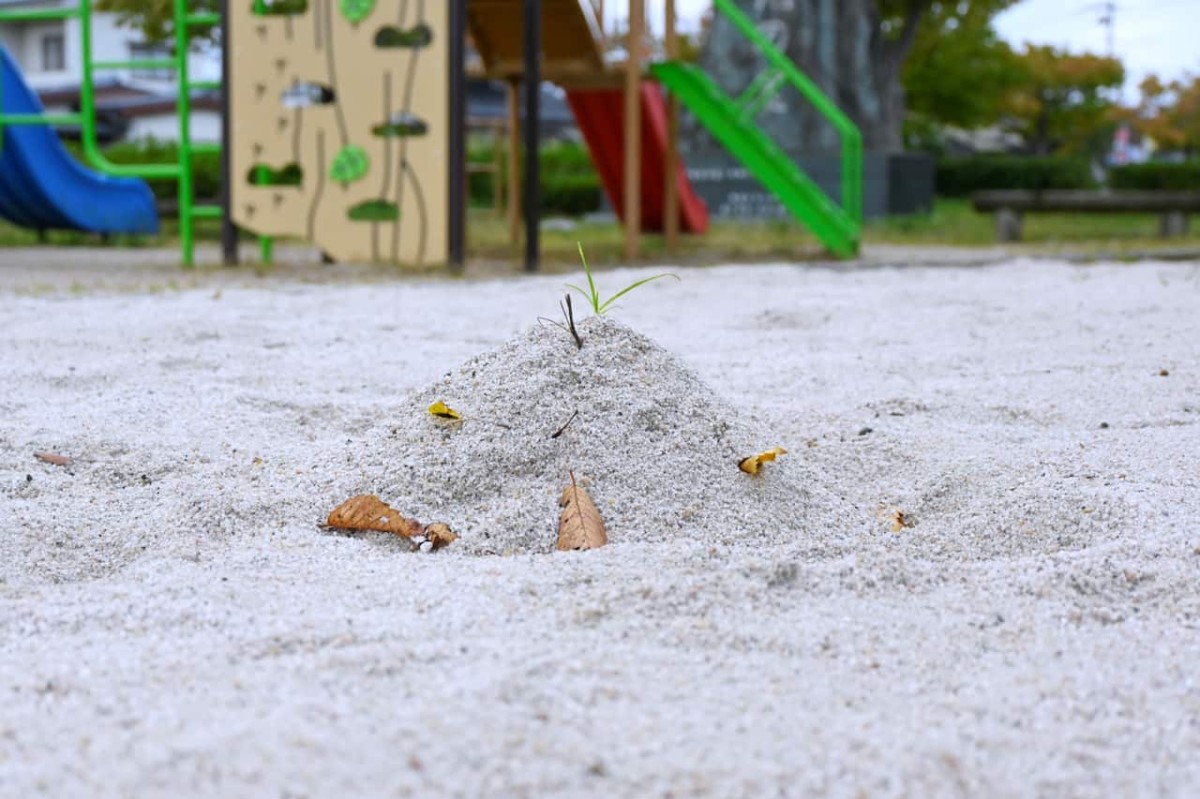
[1009, 205]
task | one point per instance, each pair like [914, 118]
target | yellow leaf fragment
[754, 463]
[442, 411]
[579, 524]
[899, 520]
[369, 512]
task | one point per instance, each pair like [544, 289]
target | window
[53, 53]
[145, 52]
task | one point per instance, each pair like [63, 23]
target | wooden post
[497, 168]
[532, 44]
[514, 164]
[671, 178]
[456, 149]
[633, 127]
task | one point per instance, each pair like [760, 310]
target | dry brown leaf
[369, 512]
[899, 520]
[754, 463]
[53, 458]
[579, 524]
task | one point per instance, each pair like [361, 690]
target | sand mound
[657, 449]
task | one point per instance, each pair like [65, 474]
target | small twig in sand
[569, 313]
[566, 424]
[568, 326]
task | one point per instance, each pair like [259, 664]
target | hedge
[570, 185]
[959, 177]
[1157, 176]
[206, 167]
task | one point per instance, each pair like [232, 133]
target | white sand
[173, 623]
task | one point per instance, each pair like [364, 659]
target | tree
[156, 18]
[855, 50]
[1170, 113]
[959, 72]
[1062, 105]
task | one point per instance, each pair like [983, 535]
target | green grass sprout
[592, 294]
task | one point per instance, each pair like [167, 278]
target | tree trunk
[841, 46]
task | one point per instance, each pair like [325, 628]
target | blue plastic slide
[42, 186]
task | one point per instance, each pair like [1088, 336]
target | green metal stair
[806, 201]
[732, 123]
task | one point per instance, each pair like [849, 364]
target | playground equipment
[650, 190]
[67, 196]
[345, 118]
[43, 187]
[340, 117]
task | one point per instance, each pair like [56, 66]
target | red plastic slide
[600, 114]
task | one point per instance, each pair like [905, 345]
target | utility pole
[1108, 18]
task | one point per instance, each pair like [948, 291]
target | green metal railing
[179, 170]
[781, 72]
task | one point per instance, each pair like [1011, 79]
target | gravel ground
[1012, 609]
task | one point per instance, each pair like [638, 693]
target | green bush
[206, 167]
[960, 177]
[566, 157]
[1157, 176]
[570, 195]
[570, 185]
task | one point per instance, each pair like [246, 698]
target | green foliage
[959, 177]
[1063, 105]
[959, 71]
[349, 165]
[1157, 176]
[156, 18]
[206, 167]
[570, 185]
[592, 294]
[566, 157]
[570, 195]
[1169, 113]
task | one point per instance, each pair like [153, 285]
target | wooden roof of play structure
[572, 42]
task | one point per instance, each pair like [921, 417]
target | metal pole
[457, 127]
[533, 83]
[229, 232]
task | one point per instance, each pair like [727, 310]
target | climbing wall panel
[339, 118]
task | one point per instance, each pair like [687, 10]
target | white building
[50, 55]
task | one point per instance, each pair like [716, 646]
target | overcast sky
[1160, 36]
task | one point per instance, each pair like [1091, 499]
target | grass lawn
[952, 223]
